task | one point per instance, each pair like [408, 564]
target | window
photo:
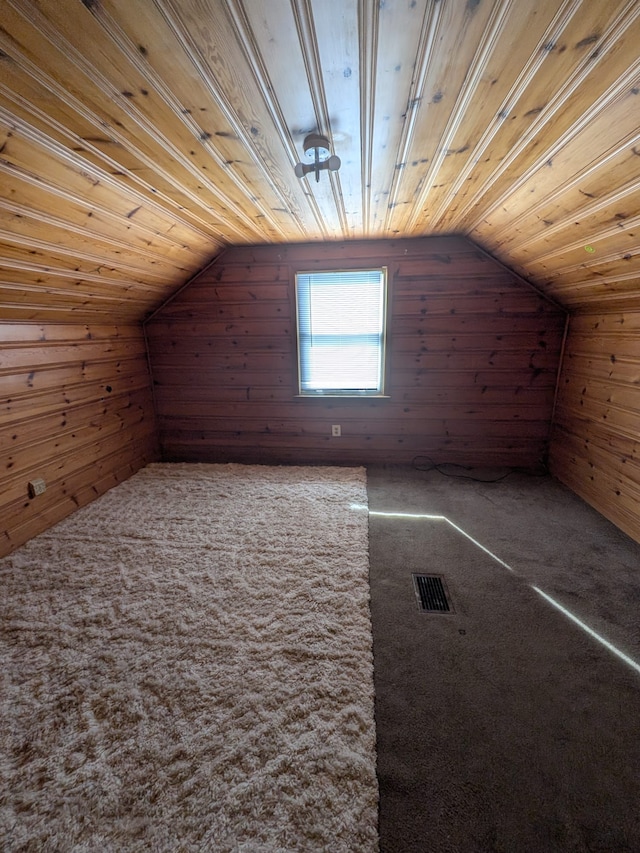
[341, 332]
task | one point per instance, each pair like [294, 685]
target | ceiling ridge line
[565, 186]
[568, 89]
[168, 11]
[483, 52]
[27, 212]
[517, 90]
[113, 94]
[303, 15]
[431, 23]
[368, 32]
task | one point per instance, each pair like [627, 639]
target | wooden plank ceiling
[138, 139]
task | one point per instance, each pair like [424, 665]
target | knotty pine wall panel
[473, 357]
[77, 411]
[595, 447]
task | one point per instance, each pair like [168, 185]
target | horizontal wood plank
[76, 410]
[471, 369]
[594, 447]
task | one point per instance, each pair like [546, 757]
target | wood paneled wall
[595, 447]
[76, 410]
[473, 355]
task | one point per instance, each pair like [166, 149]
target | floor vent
[432, 594]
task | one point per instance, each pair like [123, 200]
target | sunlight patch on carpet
[188, 665]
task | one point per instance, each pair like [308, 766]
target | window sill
[342, 396]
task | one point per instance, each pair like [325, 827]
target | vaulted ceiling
[138, 139]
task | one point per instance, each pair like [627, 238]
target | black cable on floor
[430, 465]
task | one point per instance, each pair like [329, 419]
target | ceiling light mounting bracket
[318, 156]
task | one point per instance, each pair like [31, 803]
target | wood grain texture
[473, 356]
[137, 140]
[76, 410]
[594, 447]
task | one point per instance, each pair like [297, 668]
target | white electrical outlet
[336, 430]
[37, 487]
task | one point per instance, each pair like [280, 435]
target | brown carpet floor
[504, 726]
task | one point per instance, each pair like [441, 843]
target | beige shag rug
[187, 666]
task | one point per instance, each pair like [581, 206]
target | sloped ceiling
[138, 139]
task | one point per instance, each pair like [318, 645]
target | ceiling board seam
[11, 237]
[303, 15]
[557, 102]
[616, 92]
[41, 269]
[490, 35]
[83, 167]
[40, 313]
[518, 88]
[77, 295]
[61, 193]
[261, 75]
[605, 259]
[368, 32]
[606, 303]
[137, 195]
[430, 26]
[119, 299]
[612, 305]
[601, 280]
[602, 234]
[114, 95]
[120, 38]
[22, 211]
[565, 187]
[171, 15]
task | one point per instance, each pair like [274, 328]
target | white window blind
[341, 331]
